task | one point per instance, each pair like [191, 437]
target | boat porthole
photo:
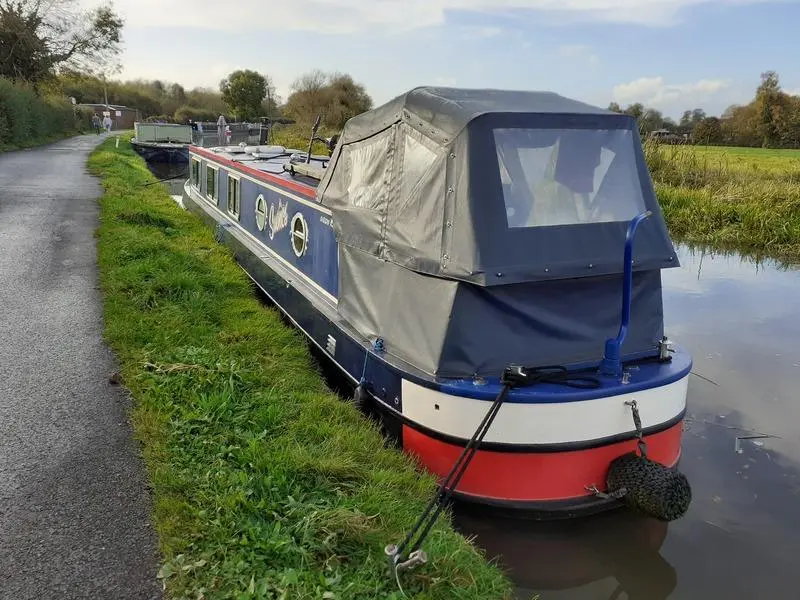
[261, 213]
[299, 235]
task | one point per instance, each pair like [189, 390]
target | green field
[745, 199]
[266, 484]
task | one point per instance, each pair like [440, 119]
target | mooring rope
[512, 377]
[428, 517]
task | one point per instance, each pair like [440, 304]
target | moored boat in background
[470, 252]
[162, 142]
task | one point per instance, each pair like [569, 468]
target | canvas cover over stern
[448, 328]
[482, 227]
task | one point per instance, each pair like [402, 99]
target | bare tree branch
[37, 37]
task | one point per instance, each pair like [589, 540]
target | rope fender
[647, 486]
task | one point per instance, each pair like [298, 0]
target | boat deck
[271, 164]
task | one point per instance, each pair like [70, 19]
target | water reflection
[602, 557]
[738, 318]
[171, 176]
[738, 540]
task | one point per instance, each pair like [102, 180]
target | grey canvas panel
[407, 310]
[442, 112]
[435, 259]
[415, 218]
[361, 191]
[461, 229]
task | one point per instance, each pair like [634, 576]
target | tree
[740, 126]
[708, 131]
[690, 119]
[635, 110]
[651, 120]
[191, 113]
[614, 107]
[243, 92]
[346, 98]
[206, 98]
[37, 37]
[173, 97]
[768, 98]
[308, 98]
[335, 96]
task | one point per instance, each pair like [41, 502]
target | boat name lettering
[278, 219]
[326, 220]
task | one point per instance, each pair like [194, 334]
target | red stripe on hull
[536, 477]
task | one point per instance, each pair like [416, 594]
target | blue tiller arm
[611, 363]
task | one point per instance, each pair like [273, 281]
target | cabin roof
[444, 112]
[273, 165]
[436, 181]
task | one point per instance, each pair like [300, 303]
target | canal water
[741, 536]
[171, 175]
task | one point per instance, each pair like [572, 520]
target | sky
[672, 55]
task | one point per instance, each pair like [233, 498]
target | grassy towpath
[266, 485]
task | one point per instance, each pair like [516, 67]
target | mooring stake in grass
[266, 485]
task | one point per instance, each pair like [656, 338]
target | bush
[26, 116]
[185, 113]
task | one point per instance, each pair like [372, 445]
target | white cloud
[350, 16]
[446, 81]
[657, 93]
[579, 52]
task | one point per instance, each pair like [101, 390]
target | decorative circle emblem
[261, 213]
[299, 232]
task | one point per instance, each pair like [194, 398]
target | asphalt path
[74, 503]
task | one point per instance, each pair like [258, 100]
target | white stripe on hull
[553, 423]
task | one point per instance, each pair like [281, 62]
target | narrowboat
[162, 142]
[463, 246]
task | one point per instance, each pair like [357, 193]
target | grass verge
[266, 485]
[729, 198]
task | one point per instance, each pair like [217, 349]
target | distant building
[665, 136]
[123, 116]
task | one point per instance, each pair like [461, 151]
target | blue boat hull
[312, 309]
[162, 153]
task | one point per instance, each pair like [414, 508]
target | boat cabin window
[211, 184]
[194, 173]
[299, 235]
[234, 195]
[568, 176]
[261, 212]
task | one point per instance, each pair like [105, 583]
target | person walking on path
[96, 123]
[221, 125]
[107, 123]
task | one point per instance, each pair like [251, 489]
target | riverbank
[746, 199]
[265, 483]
